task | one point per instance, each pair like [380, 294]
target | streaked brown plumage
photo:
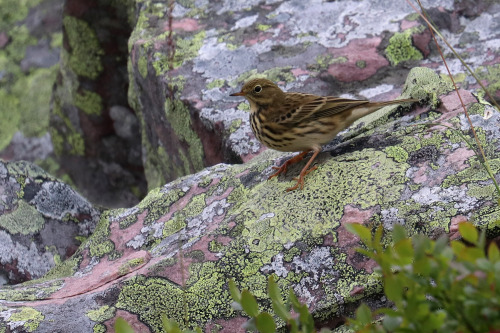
[300, 122]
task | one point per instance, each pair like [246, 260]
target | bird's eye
[257, 89]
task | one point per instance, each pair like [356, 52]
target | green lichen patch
[12, 11]
[89, 102]
[100, 244]
[149, 298]
[10, 117]
[34, 92]
[85, 53]
[180, 118]
[490, 74]
[130, 265]
[31, 291]
[29, 317]
[396, 152]
[24, 220]
[423, 83]
[401, 47]
[102, 314]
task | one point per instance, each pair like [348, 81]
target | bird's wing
[299, 107]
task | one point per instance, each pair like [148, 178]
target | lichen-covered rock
[176, 250]
[94, 132]
[42, 222]
[200, 51]
[30, 40]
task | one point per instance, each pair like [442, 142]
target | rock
[42, 221]
[354, 49]
[88, 141]
[186, 239]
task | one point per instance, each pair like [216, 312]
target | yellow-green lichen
[99, 328]
[31, 290]
[101, 314]
[142, 65]
[85, 50]
[152, 297]
[100, 244]
[24, 220]
[29, 317]
[263, 27]
[89, 102]
[397, 153]
[12, 11]
[34, 92]
[180, 119]
[361, 63]
[217, 83]
[490, 74]
[130, 265]
[10, 117]
[401, 47]
[244, 106]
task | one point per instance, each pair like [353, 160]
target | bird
[300, 122]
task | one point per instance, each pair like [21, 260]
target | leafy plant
[435, 287]
[299, 320]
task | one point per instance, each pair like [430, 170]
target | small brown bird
[300, 122]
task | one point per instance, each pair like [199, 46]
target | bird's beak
[241, 93]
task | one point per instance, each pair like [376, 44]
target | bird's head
[261, 92]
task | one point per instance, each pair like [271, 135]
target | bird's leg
[284, 167]
[305, 171]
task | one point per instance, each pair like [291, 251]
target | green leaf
[272, 289]
[293, 300]
[169, 326]
[468, 232]
[249, 303]
[234, 291]
[393, 288]
[398, 233]
[364, 314]
[277, 302]
[390, 323]
[265, 323]
[306, 319]
[121, 326]
[361, 231]
[404, 250]
[493, 252]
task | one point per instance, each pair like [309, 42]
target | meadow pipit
[300, 122]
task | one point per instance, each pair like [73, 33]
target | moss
[89, 102]
[401, 47]
[102, 314]
[31, 318]
[24, 220]
[85, 54]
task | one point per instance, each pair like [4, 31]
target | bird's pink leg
[282, 169]
[305, 171]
